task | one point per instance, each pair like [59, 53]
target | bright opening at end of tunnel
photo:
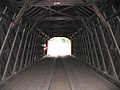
[59, 46]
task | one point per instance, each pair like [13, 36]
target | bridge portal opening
[59, 46]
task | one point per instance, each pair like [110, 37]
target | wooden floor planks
[60, 74]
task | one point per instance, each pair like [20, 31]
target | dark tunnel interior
[87, 59]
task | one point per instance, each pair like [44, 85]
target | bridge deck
[60, 74]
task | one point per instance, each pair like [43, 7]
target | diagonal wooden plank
[58, 12]
[20, 13]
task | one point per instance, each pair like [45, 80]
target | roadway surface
[60, 73]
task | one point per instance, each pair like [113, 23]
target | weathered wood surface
[60, 74]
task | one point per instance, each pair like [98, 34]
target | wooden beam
[58, 12]
[106, 25]
[83, 22]
[58, 19]
[20, 13]
[60, 3]
[100, 9]
[99, 14]
[12, 20]
[64, 9]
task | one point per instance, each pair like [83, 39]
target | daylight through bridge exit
[59, 46]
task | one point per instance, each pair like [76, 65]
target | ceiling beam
[60, 3]
[64, 18]
[64, 9]
[60, 26]
[58, 12]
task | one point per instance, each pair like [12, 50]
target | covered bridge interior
[92, 26]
